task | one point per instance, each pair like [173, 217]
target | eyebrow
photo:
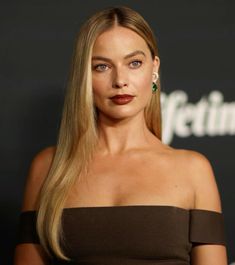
[125, 57]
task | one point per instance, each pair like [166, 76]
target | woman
[111, 192]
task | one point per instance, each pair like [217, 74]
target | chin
[120, 115]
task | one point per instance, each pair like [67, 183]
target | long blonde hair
[78, 136]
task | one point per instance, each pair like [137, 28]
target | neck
[120, 136]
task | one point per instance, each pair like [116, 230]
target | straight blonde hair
[77, 137]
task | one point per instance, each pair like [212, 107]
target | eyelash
[139, 61]
[98, 65]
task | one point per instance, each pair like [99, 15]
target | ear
[156, 64]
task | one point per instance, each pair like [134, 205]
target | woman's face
[122, 64]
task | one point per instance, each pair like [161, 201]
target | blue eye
[100, 67]
[136, 63]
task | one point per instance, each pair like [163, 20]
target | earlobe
[156, 76]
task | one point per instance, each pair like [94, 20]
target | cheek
[143, 83]
[101, 92]
[99, 86]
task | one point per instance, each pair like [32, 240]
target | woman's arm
[32, 254]
[27, 253]
[206, 197]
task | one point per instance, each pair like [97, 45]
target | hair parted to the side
[78, 136]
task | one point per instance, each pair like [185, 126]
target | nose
[120, 79]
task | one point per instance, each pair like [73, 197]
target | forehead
[119, 39]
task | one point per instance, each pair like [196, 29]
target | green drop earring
[154, 87]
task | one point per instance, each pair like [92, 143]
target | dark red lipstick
[122, 99]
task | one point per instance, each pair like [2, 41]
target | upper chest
[145, 178]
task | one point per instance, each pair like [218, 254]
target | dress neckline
[134, 206]
[139, 206]
[109, 207]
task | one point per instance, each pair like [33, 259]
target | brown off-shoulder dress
[130, 234]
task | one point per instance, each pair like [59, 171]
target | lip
[122, 99]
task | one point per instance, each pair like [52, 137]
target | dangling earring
[154, 85]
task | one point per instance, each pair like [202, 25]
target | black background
[196, 44]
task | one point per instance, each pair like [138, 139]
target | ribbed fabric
[131, 234]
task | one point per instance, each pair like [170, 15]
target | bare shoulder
[190, 157]
[43, 158]
[37, 173]
[30, 253]
[202, 177]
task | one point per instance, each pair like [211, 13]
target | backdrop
[196, 43]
